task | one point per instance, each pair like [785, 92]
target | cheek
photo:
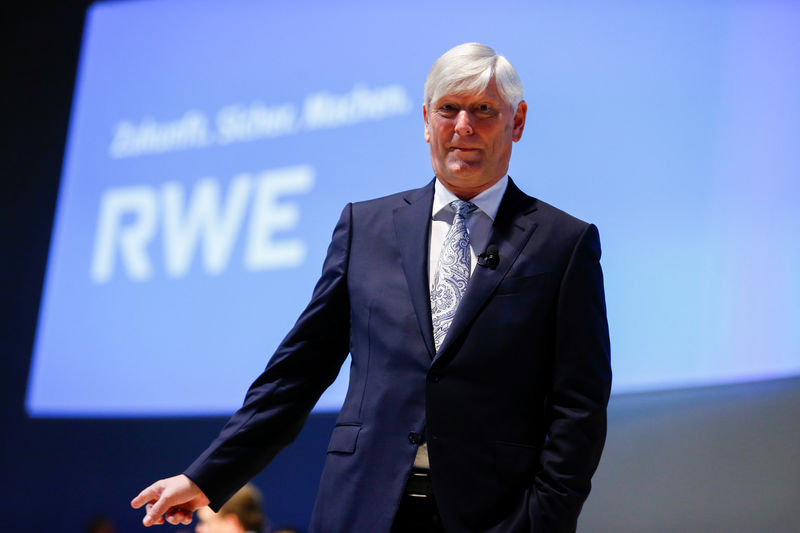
[501, 141]
[439, 133]
[437, 141]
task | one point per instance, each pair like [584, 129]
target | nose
[463, 124]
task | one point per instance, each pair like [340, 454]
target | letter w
[185, 226]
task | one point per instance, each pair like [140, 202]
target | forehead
[460, 94]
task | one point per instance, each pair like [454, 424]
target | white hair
[470, 67]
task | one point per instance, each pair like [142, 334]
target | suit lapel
[412, 225]
[511, 230]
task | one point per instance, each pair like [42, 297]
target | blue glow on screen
[213, 145]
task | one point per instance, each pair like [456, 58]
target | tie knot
[462, 207]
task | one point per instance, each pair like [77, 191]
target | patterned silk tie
[452, 272]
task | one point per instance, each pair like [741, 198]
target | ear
[519, 121]
[427, 129]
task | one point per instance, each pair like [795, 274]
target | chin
[463, 170]
[468, 181]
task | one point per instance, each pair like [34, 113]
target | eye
[447, 110]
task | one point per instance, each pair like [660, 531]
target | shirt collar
[487, 201]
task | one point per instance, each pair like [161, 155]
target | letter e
[268, 216]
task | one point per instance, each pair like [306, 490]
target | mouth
[463, 149]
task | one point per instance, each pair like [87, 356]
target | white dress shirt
[479, 228]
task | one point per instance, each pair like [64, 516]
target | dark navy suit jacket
[513, 406]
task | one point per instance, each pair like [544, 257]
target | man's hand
[177, 497]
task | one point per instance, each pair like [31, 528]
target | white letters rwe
[129, 217]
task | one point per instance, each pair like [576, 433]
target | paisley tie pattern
[452, 272]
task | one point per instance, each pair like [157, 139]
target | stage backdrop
[213, 145]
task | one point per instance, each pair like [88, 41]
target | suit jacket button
[435, 378]
[414, 438]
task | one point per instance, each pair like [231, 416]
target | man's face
[470, 136]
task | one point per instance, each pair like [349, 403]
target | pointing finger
[148, 495]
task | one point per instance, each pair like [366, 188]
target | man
[241, 514]
[480, 355]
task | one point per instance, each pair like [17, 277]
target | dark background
[58, 473]
[713, 459]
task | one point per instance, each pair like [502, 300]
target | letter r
[132, 238]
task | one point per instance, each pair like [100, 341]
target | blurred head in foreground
[241, 514]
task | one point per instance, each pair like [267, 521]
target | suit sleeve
[581, 383]
[279, 400]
